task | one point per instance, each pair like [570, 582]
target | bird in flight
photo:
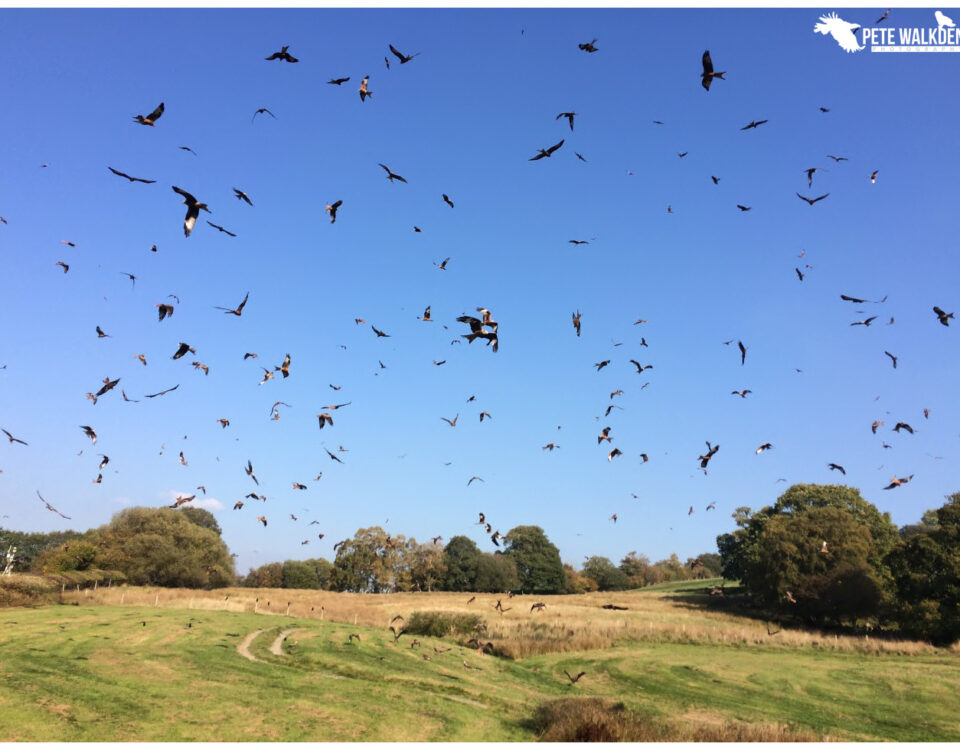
[50, 507]
[903, 426]
[810, 172]
[837, 467]
[332, 210]
[400, 56]
[161, 393]
[164, 310]
[640, 368]
[380, 334]
[743, 352]
[63, 265]
[895, 482]
[239, 311]
[588, 46]
[283, 55]
[753, 124]
[263, 111]
[855, 300]
[364, 91]
[811, 201]
[873, 176]
[893, 359]
[338, 81]
[391, 175]
[446, 199]
[866, 322]
[453, 422]
[547, 151]
[12, 439]
[741, 394]
[221, 229]
[837, 159]
[118, 173]
[764, 447]
[151, 118]
[242, 196]
[183, 349]
[614, 453]
[942, 316]
[193, 210]
[708, 73]
[285, 367]
[569, 116]
[89, 432]
[576, 322]
[474, 478]
[705, 459]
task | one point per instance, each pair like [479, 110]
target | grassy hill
[96, 672]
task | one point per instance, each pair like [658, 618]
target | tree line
[820, 555]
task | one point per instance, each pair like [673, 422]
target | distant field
[95, 673]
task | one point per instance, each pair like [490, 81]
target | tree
[202, 518]
[926, 577]
[424, 566]
[577, 583]
[835, 582]
[460, 558]
[495, 573]
[607, 575]
[162, 547]
[30, 545]
[928, 522]
[76, 555]
[323, 569]
[297, 574]
[634, 567]
[371, 562]
[539, 568]
[269, 576]
[711, 563]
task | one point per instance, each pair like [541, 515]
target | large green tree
[539, 568]
[371, 562]
[779, 552]
[495, 573]
[926, 575]
[607, 575]
[162, 547]
[460, 558]
[297, 574]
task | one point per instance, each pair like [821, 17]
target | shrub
[604, 720]
[439, 624]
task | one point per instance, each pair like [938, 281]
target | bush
[439, 624]
[604, 720]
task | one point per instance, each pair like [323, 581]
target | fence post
[288, 609]
[156, 600]
[256, 605]
[122, 595]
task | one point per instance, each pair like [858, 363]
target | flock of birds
[482, 326]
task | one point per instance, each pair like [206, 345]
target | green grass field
[96, 673]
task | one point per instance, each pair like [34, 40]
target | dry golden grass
[569, 623]
[604, 720]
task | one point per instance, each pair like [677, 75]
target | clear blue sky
[463, 118]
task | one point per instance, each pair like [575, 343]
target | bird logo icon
[943, 20]
[843, 33]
